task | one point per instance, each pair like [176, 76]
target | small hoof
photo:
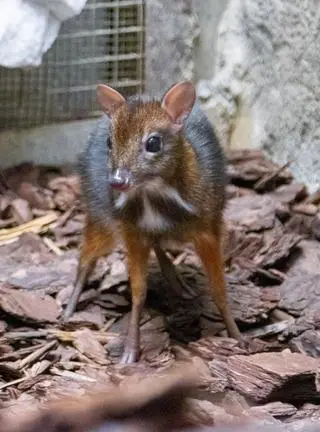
[235, 333]
[129, 356]
[244, 343]
[65, 317]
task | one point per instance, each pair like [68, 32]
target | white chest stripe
[151, 220]
[174, 194]
[121, 201]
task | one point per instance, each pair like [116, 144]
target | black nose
[121, 179]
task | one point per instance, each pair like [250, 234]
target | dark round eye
[153, 144]
[109, 143]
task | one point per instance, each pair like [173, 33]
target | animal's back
[94, 169]
[200, 134]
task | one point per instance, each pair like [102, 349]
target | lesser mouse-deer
[153, 172]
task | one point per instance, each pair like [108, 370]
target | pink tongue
[120, 186]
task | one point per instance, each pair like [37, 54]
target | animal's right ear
[178, 102]
[109, 99]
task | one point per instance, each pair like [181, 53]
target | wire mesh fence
[105, 43]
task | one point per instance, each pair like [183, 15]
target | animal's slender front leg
[97, 241]
[208, 246]
[138, 252]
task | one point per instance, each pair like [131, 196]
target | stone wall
[172, 28]
[266, 90]
[181, 40]
[208, 14]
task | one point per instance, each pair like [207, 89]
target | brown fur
[178, 167]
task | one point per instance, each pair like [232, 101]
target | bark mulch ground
[272, 268]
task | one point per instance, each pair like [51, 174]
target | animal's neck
[162, 205]
[186, 178]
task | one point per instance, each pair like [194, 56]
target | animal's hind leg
[97, 241]
[179, 286]
[208, 246]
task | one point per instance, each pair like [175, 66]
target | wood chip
[52, 246]
[315, 227]
[307, 209]
[17, 354]
[278, 249]
[267, 377]
[250, 166]
[300, 295]
[72, 375]
[111, 281]
[21, 211]
[253, 213]
[36, 226]
[85, 342]
[267, 180]
[306, 260]
[13, 383]
[269, 330]
[278, 410]
[307, 343]
[27, 306]
[9, 371]
[248, 302]
[92, 316]
[210, 347]
[288, 194]
[27, 361]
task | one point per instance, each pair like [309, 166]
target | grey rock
[267, 79]
[170, 37]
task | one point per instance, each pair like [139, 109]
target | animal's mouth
[121, 180]
[121, 187]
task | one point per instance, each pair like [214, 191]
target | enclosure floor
[272, 269]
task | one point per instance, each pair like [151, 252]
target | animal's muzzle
[121, 179]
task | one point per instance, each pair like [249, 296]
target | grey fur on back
[200, 134]
[94, 167]
[94, 172]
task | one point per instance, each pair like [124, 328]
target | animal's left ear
[178, 102]
[109, 99]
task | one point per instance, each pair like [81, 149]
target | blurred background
[255, 65]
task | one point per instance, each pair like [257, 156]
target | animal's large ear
[109, 99]
[178, 101]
